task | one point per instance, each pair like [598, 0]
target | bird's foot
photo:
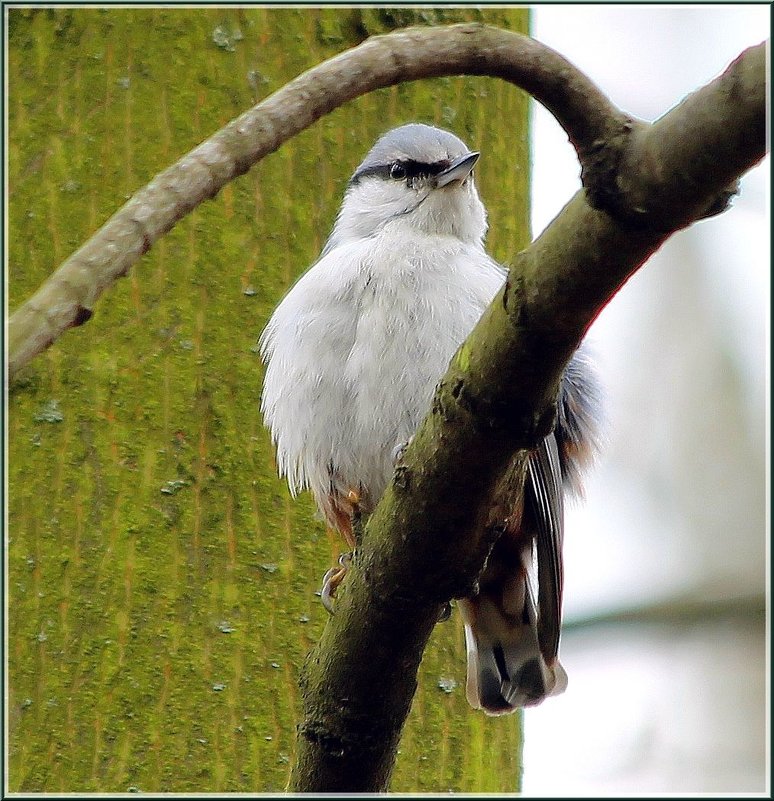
[331, 580]
[399, 450]
[354, 530]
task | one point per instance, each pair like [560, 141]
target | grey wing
[544, 514]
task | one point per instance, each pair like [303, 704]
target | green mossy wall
[161, 581]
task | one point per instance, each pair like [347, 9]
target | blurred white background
[667, 560]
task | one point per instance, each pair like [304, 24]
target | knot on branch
[625, 175]
[341, 734]
[82, 315]
[317, 732]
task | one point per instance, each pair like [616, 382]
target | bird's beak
[458, 170]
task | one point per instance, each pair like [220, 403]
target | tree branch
[429, 536]
[68, 296]
[701, 146]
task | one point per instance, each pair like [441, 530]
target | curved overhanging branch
[68, 296]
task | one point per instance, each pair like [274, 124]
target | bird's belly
[405, 338]
[395, 377]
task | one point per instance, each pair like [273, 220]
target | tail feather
[506, 668]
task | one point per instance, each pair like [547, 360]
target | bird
[353, 354]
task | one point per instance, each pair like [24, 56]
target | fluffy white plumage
[355, 349]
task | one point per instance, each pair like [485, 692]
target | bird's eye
[397, 171]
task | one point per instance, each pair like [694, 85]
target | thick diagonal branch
[428, 537]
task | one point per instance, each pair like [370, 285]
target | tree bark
[153, 553]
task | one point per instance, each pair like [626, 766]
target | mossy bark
[161, 582]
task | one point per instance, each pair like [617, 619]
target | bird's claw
[445, 612]
[331, 580]
[399, 450]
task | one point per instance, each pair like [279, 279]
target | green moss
[119, 592]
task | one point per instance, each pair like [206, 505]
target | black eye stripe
[412, 169]
[415, 168]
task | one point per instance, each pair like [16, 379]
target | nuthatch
[353, 354]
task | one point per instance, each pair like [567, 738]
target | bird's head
[416, 176]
